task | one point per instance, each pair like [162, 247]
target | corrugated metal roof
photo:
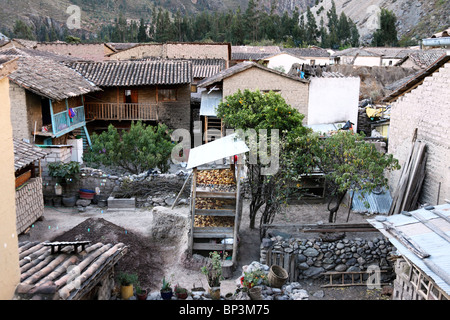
[227, 146]
[437, 264]
[379, 202]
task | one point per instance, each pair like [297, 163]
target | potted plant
[65, 174]
[252, 281]
[127, 282]
[180, 292]
[141, 294]
[213, 272]
[166, 290]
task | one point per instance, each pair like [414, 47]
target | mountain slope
[432, 15]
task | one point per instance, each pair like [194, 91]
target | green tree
[135, 150]
[386, 34]
[252, 111]
[347, 162]
[311, 28]
[23, 31]
[142, 33]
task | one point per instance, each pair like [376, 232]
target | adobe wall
[294, 92]
[424, 108]
[19, 115]
[29, 204]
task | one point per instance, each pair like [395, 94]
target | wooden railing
[62, 121]
[121, 111]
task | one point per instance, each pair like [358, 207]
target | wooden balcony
[121, 111]
[62, 123]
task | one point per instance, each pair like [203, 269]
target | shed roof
[227, 146]
[428, 231]
[26, 153]
[242, 67]
[64, 275]
[135, 72]
[50, 79]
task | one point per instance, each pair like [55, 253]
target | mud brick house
[47, 100]
[252, 53]
[9, 254]
[249, 75]
[150, 90]
[421, 105]
[29, 194]
[83, 51]
[176, 50]
[357, 57]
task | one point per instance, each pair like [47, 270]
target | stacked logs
[215, 177]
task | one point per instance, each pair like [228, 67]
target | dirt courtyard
[153, 259]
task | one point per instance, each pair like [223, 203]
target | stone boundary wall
[163, 187]
[29, 204]
[315, 256]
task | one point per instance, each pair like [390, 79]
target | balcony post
[51, 116]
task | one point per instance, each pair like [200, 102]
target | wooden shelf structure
[216, 238]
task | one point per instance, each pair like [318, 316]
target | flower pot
[166, 295]
[214, 293]
[255, 293]
[142, 295]
[277, 276]
[69, 201]
[181, 295]
[126, 292]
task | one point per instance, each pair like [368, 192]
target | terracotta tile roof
[351, 52]
[253, 53]
[134, 73]
[424, 58]
[26, 153]
[50, 79]
[307, 52]
[64, 275]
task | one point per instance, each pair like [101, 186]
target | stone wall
[18, 111]
[315, 256]
[163, 188]
[29, 204]
[424, 108]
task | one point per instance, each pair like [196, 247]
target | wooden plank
[406, 241]
[215, 212]
[193, 196]
[181, 191]
[212, 246]
[221, 195]
[24, 177]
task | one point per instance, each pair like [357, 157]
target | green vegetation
[386, 35]
[135, 150]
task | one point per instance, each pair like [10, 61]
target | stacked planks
[410, 183]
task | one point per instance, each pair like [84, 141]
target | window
[167, 94]
[130, 96]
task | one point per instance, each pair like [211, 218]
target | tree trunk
[339, 197]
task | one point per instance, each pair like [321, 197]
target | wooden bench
[61, 245]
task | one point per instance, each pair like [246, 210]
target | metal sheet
[429, 241]
[209, 102]
[216, 150]
[377, 202]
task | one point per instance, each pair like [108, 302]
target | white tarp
[227, 146]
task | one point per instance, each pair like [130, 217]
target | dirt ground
[152, 260]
